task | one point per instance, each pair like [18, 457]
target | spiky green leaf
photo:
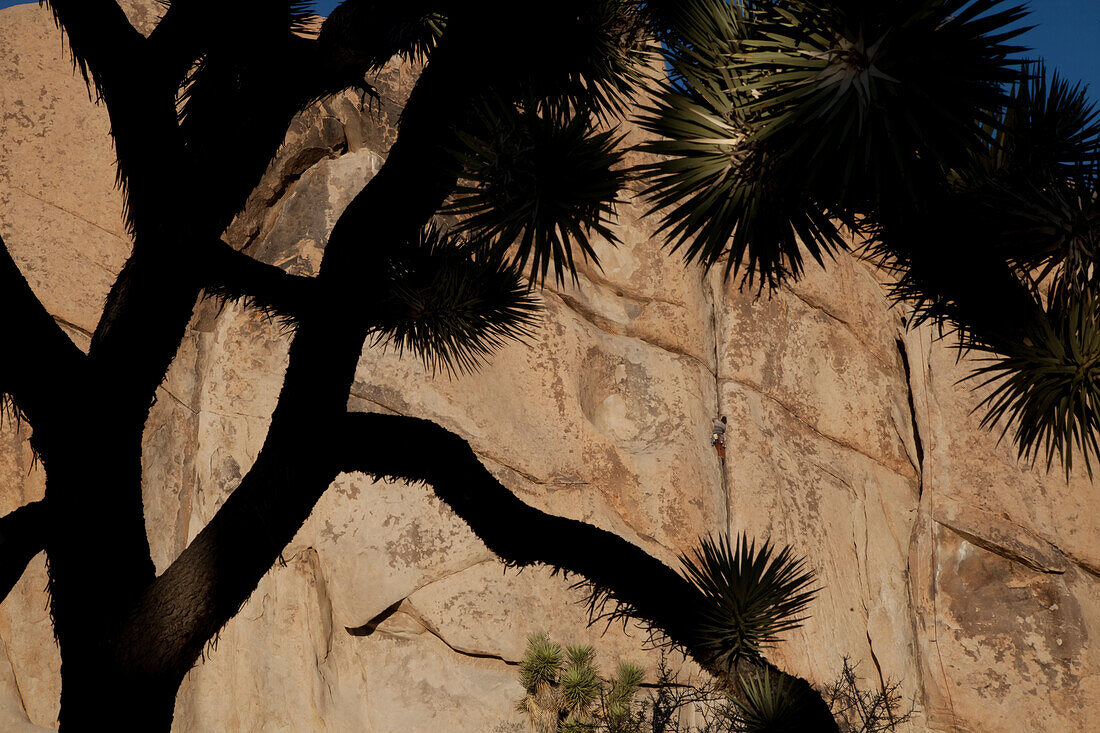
[580, 688]
[538, 182]
[1047, 391]
[753, 595]
[542, 662]
[452, 301]
[767, 706]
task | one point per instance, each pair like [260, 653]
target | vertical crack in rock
[15, 682]
[917, 442]
[718, 402]
[925, 482]
[878, 668]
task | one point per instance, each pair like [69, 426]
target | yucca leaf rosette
[580, 682]
[541, 663]
[753, 594]
[767, 705]
[619, 699]
[1052, 231]
[717, 192]
[1047, 391]
[540, 182]
[596, 55]
[868, 90]
[784, 120]
[452, 301]
[1048, 130]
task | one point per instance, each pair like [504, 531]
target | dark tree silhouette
[502, 130]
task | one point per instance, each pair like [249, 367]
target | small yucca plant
[619, 709]
[566, 694]
[539, 672]
[541, 663]
[580, 687]
[767, 706]
[753, 594]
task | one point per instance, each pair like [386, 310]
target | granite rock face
[943, 562]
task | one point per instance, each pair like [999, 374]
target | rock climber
[718, 436]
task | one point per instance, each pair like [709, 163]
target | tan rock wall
[943, 562]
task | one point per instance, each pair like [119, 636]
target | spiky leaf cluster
[868, 88]
[1053, 231]
[452, 301]
[604, 57]
[1047, 391]
[1039, 185]
[719, 197]
[580, 687]
[618, 702]
[1032, 191]
[542, 662]
[1047, 130]
[540, 182]
[539, 671]
[716, 191]
[752, 595]
[783, 118]
[767, 706]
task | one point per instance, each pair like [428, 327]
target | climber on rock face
[718, 436]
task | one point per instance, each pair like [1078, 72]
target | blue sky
[1067, 36]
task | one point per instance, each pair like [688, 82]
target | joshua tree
[564, 692]
[782, 122]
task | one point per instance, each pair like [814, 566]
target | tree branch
[411, 449]
[21, 538]
[233, 275]
[206, 585]
[41, 357]
[641, 586]
[112, 55]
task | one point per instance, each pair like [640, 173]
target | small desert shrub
[763, 703]
[861, 711]
[564, 692]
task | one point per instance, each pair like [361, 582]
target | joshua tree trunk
[128, 637]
